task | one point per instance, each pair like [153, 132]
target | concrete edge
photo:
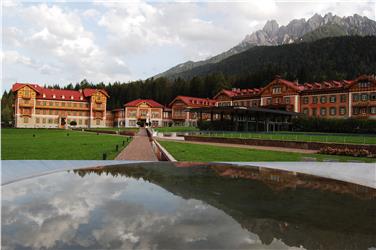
[164, 151]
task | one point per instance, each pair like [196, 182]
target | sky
[62, 42]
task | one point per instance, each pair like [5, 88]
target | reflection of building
[329, 99]
[38, 107]
[180, 116]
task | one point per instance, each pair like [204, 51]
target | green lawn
[54, 144]
[207, 153]
[117, 129]
[308, 137]
[176, 129]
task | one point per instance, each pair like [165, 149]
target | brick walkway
[139, 149]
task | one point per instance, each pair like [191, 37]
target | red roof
[150, 102]
[194, 101]
[90, 92]
[57, 94]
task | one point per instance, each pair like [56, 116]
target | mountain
[298, 30]
[328, 58]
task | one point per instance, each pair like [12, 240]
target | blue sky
[65, 42]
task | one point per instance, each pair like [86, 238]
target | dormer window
[54, 96]
[62, 97]
[44, 95]
[81, 98]
[71, 97]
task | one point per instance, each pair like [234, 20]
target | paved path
[139, 149]
[291, 150]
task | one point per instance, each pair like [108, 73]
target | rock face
[298, 30]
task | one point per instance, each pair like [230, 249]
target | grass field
[207, 153]
[117, 129]
[176, 129]
[17, 144]
[296, 136]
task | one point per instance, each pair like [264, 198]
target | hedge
[314, 124]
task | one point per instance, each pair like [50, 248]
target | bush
[315, 124]
[73, 123]
[346, 151]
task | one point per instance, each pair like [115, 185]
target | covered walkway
[247, 118]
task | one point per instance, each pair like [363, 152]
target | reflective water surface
[186, 206]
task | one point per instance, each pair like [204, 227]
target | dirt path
[292, 150]
[139, 149]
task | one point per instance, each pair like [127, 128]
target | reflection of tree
[301, 210]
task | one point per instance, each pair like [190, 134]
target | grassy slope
[193, 152]
[56, 145]
[314, 137]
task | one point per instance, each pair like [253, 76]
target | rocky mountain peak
[271, 27]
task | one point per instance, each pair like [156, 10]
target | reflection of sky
[66, 211]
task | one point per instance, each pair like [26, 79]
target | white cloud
[105, 40]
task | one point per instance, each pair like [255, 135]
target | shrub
[73, 123]
[346, 151]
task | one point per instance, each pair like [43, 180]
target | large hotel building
[38, 107]
[52, 108]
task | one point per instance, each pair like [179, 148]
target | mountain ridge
[297, 30]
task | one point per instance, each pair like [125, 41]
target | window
[323, 111]
[49, 120]
[333, 98]
[63, 104]
[79, 121]
[269, 101]
[342, 110]
[372, 96]
[86, 122]
[356, 111]
[315, 99]
[132, 113]
[26, 119]
[364, 84]
[155, 114]
[332, 111]
[44, 111]
[343, 98]
[364, 97]
[44, 120]
[305, 111]
[37, 120]
[305, 100]
[81, 104]
[75, 105]
[373, 110]
[132, 123]
[355, 97]
[44, 103]
[98, 122]
[69, 104]
[287, 100]
[37, 111]
[50, 112]
[323, 99]
[277, 90]
[56, 104]
[314, 112]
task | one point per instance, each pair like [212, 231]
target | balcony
[23, 104]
